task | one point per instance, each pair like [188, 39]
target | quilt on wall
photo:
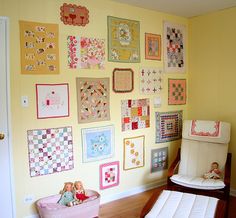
[151, 80]
[133, 152]
[123, 40]
[176, 91]
[174, 48]
[39, 48]
[50, 150]
[86, 53]
[168, 126]
[135, 114]
[93, 99]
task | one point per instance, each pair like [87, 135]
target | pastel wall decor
[135, 114]
[76, 15]
[123, 80]
[150, 80]
[152, 46]
[134, 152]
[123, 40]
[39, 48]
[50, 150]
[174, 48]
[109, 174]
[159, 159]
[98, 143]
[177, 91]
[86, 53]
[52, 100]
[168, 126]
[93, 99]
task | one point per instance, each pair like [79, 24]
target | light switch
[24, 101]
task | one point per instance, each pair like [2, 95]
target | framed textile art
[86, 53]
[205, 128]
[123, 40]
[176, 91]
[152, 46]
[174, 48]
[123, 80]
[133, 152]
[39, 48]
[93, 99]
[50, 150]
[109, 175]
[75, 15]
[98, 143]
[159, 159]
[135, 114]
[151, 80]
[52, 100]
[168, 126]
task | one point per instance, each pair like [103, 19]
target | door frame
[8, 96]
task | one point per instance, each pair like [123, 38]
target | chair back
[203, 142]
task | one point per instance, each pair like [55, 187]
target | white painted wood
[6, 199]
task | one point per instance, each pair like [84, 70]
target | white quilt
[172, 204]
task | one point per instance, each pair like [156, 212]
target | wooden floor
[131, 207]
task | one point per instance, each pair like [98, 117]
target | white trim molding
[133, 191]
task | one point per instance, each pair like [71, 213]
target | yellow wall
[212, 72]
[24, 119]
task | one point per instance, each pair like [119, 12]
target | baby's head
[214, 165]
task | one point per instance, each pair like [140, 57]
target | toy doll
[79, 192]
[67, 197]
[214, 173]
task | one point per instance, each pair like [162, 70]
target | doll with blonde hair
[79, 192]
[67, 197]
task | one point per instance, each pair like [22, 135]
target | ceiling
[184, 8]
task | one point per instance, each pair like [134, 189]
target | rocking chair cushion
[197, 182]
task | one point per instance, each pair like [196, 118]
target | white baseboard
[233, 192]
[32, 216]
[133, 191]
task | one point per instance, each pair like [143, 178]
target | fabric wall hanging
[93, 99]
[152, 46]
[174, 48]
[39, 48]
[159, 159]
[134, 152]
[109, 175]
[168, 126]
[52, 100]
[123, 40]
[86, 53]
[176, 91]
[74, 15]
[151, 80]
[50, 150]
[98, 143]
[135, 114]
[123, 80]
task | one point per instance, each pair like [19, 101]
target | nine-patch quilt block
[168, 126]
[135, 114]
[50, 150]
[176, 91]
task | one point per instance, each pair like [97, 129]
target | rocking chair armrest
[227, 170]
[174, 165]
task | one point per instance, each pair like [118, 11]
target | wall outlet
[28, 199]
[24, 101]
